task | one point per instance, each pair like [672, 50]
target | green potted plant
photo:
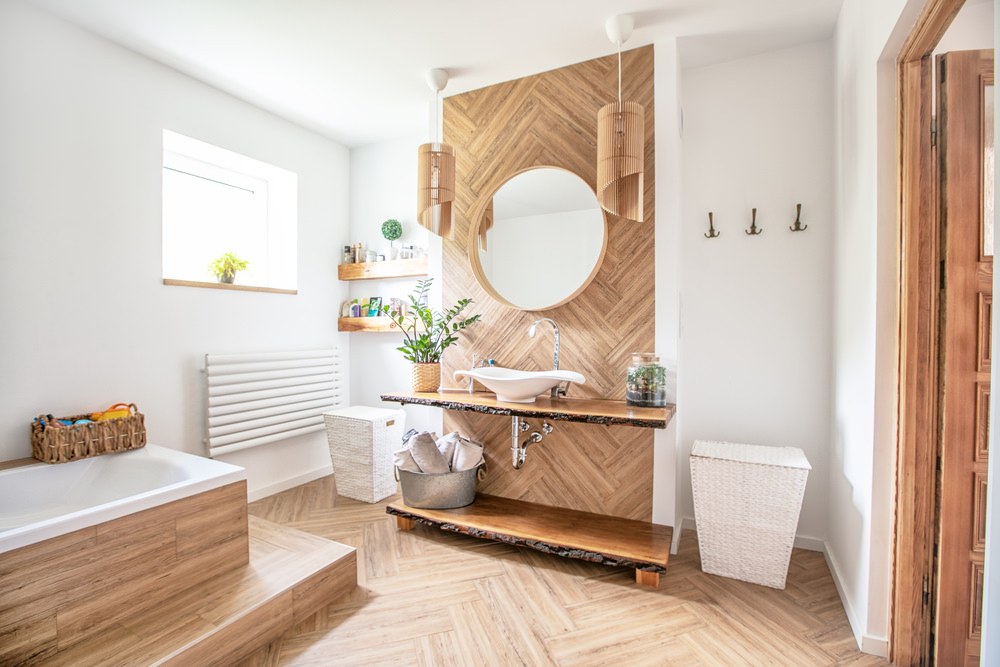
[428, 334]
[226, 266]
[645, 384]
[392, 230]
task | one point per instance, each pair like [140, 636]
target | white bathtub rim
[45, 529]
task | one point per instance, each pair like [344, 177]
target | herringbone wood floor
[427, 597]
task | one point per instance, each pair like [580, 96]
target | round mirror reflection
[540, 240]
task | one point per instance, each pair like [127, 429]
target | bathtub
[41, 501]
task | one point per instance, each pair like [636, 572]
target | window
[216, 202]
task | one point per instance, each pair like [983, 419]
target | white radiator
[254, 399]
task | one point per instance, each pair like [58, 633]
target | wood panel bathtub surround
[291, 574]
[58, 592]
[550, 119]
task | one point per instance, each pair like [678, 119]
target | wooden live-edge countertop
[570, 533]
[586, 410]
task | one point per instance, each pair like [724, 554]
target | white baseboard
[285, 484]
[867, 643]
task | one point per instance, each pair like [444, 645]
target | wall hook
[798, 225]
[753, 231]
[711, 228]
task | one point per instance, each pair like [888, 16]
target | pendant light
[620, 141]
[436, 171]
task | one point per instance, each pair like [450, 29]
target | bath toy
[115, 411]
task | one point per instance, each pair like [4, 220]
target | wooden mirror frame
[476, 221]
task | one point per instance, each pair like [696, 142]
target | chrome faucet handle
[546, 427]
[524, 425]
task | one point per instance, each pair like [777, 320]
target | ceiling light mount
[619, 28]
[437, 79]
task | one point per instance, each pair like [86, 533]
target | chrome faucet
[482, 363]
[556, 391]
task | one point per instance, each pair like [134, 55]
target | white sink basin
[515, 386]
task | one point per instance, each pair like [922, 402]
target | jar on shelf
[645, 384]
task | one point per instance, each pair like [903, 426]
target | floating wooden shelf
[396, 268]
[586, 410]
[593, 537]
[377, 324]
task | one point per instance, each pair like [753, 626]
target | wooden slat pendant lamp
[436, 171]
[620, 130]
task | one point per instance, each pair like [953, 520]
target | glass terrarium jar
[645, 385]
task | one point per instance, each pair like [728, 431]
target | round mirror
[539, 240]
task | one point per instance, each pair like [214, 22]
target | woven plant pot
[425, 377]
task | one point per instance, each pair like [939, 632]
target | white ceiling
[353, 70]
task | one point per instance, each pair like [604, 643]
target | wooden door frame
[914, 519]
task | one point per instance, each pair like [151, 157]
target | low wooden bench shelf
[593, 537]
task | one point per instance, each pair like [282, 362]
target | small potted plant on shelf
[427, 335]
[392, 230]
[226, 267]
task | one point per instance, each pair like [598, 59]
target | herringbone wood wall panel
[550, 119]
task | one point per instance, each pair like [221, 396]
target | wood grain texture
[569, 533]
[379, 324]
[964, 337]
[228, 286]
[585, 410]
[916, 429]
[428, 597]
[17, 463]
[917, 370]
[90, 579]
[241, 612]
[550, 119]
[395, 268]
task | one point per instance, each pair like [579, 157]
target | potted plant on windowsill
[424, 348]
[225, 267]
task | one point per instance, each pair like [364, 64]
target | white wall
[383, 186]
[755, 329]
[867, 40]
[669, 145]
[86, 321]
[971, 29]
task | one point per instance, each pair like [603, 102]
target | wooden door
[965, 150]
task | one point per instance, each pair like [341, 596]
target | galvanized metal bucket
[440, 491]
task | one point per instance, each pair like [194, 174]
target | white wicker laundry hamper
[362, 440]
[747, 500]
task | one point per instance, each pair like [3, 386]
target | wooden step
[564, 532]
[291, 575]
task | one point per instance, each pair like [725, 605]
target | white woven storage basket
[361, 441]
[747, 500]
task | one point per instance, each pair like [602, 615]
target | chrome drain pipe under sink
[519, 451]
